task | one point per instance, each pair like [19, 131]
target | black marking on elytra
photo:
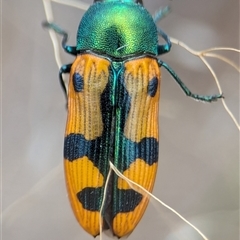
[90, 198]
[152, 87]
[76, 146]
[146, 149]
[78, 83]
[126, 200]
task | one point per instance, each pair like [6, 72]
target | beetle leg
[165, 48]
[64, 69]
[159, 15]
[69, 49]
[185, 89]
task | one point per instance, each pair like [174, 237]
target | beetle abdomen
[112, 116]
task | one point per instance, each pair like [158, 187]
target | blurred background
[198, 171]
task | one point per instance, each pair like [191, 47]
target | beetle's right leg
[204, 98]
[159, 15]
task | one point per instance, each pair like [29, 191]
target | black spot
[126, 200]
[152, 87]
[77, 82]
[90, 198]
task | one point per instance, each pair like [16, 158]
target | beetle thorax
[117, 29]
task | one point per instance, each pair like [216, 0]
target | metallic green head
[117, 29]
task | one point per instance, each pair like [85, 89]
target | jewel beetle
[112, 101]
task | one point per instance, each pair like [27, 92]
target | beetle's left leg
[184, 87]
[49, 16]
[69, 49]
[64, 69]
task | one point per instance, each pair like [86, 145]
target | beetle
[113, 97]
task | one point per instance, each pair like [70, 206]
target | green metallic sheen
[117, 29]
